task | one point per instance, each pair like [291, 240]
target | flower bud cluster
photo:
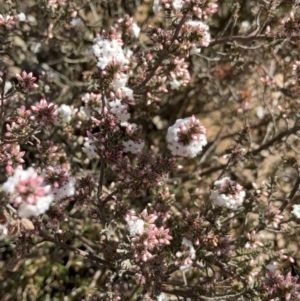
[7, 21]
[273, 216]
[54, 4]
[26, 82]
[145, 236]
[285, 286]
[180, 75]
[148, 171]
[11, 155]
[128, 28]
[92, 102]
[44, 114]
[198, 8]
[20, 126]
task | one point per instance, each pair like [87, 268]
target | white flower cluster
[111, 52]
[177, 5]
[296, 211]
[227, 193]
[28, 207]
[197, 138]
[133, 147]
[120, 111]
[200, 29]
[119, 86]
[108, 50]
[67, 190]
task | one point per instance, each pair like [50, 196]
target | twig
[2, 93]
[195, 296]
[101, 178]
[254, 152]
[270, 111]
[77, 251]
[292, 193]
[281, 135]
[244, 39]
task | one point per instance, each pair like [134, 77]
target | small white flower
[175, 84]
[156, 7]
[189, 244]
[76, 22]
[119, 84]
[22, 17]
[8, 86]
[272, 267]
[186, 242]
[133, 147]
[195, 50]
[136, 30]
[162, 297]
[64, 113]
[177, 4]
[90, 150]
[296, 211]
[32, 20]
[135, 226]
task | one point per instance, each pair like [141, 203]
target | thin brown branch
[292, 193]
[254, 152]
[4, 72]
[277, 138]
[77, 251]
[241, 39]
[195, 296]
[101, 177]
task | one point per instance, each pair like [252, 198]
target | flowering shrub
[149, 150]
